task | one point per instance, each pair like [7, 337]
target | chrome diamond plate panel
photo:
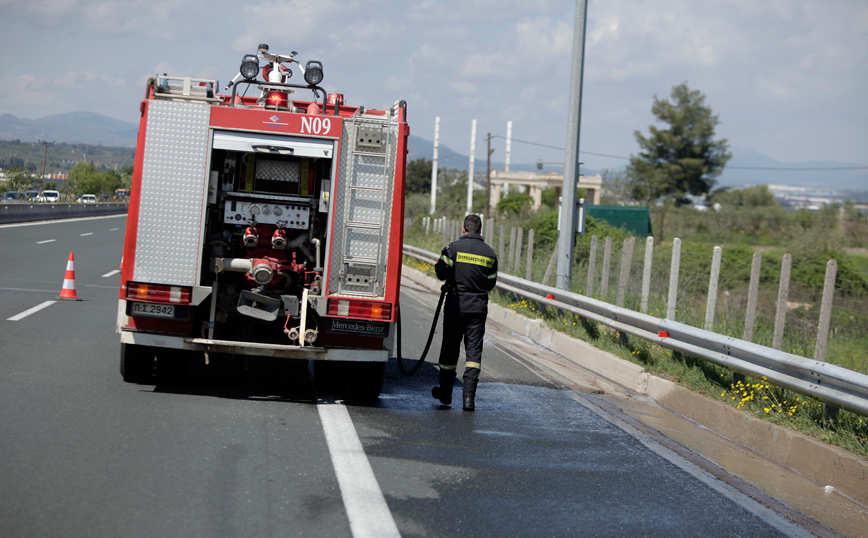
[172, 193]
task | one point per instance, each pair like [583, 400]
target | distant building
[534, 184]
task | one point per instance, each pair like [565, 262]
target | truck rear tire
[137, 363]
[366, 380]
[350, 379]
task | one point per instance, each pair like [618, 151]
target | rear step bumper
[254, 349]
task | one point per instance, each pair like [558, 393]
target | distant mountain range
[747, 167]
[73, 128]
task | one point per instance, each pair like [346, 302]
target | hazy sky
[788, 78]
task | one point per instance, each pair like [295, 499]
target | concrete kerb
[823, 463]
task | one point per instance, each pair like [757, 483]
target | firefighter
[469, 267]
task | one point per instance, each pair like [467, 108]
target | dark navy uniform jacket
[469, 267]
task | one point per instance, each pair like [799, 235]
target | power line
[771, 168]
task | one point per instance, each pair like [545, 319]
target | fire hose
[430, 337]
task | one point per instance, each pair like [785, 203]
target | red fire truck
[263, 226]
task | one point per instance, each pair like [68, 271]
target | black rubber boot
[470, 382]
[444, 391]
[469, 402]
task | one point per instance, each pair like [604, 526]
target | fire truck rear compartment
[286, 238]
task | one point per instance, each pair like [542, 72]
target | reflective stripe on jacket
[470, 268]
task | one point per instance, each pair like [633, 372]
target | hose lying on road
[427, 344]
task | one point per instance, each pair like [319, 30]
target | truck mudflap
[255, 349]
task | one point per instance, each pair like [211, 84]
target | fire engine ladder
[366, 208]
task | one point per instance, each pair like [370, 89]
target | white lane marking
[88, 233]
[366, 507]
[111, 273]
[114, 229]
[33, 310]
[46, 241]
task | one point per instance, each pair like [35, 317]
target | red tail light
[158, 293]
[360, 309]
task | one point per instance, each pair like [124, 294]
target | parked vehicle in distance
[12, 197]
[31, 195]
[48, 196]
[87, 199]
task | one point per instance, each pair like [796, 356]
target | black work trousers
[471, 329]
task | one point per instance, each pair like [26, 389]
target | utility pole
[567, 239]
[434, 168]
[508, 145]
[488, 179]
[472, 161]
[44, 155]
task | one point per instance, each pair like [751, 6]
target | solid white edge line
[41, 222]
[88, 233]
[46, 241]
[766, 514]
[111, 273]
[33, 310]
[366, 507]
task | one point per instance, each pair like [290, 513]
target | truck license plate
[154, 310]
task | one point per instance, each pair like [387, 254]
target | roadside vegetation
[675, 167]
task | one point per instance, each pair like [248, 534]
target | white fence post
[529, 273]
[519, 240]
[826, 310]
[592, 266]
[646, 274]
[626, 263]
[783, 295]
[607, 258]
[673, 279]
[712, 288]
[753, 292]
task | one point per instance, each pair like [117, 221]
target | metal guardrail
[829, 383]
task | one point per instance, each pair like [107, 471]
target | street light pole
[567, 239]
[488, 179]
[44, 155]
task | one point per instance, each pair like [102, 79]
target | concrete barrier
[31, 212]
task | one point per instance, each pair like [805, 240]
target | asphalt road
[84, 454]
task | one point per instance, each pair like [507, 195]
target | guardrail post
[592, 265]
[783, 294]
[674, 268]
[711, 305]
[826, 310]
[518, 243]
[626, 263]
[511, 260]
[753, 292]
[607, 257]
[528, 273]
[646, 274]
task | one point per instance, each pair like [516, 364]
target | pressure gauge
[254, 209]
[277, 211]
[266, 210]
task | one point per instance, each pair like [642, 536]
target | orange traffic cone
[68, 291]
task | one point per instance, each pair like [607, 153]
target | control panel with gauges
[281, 211]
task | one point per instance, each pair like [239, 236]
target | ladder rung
[363, 225]
[371, 189]
[360, 261]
